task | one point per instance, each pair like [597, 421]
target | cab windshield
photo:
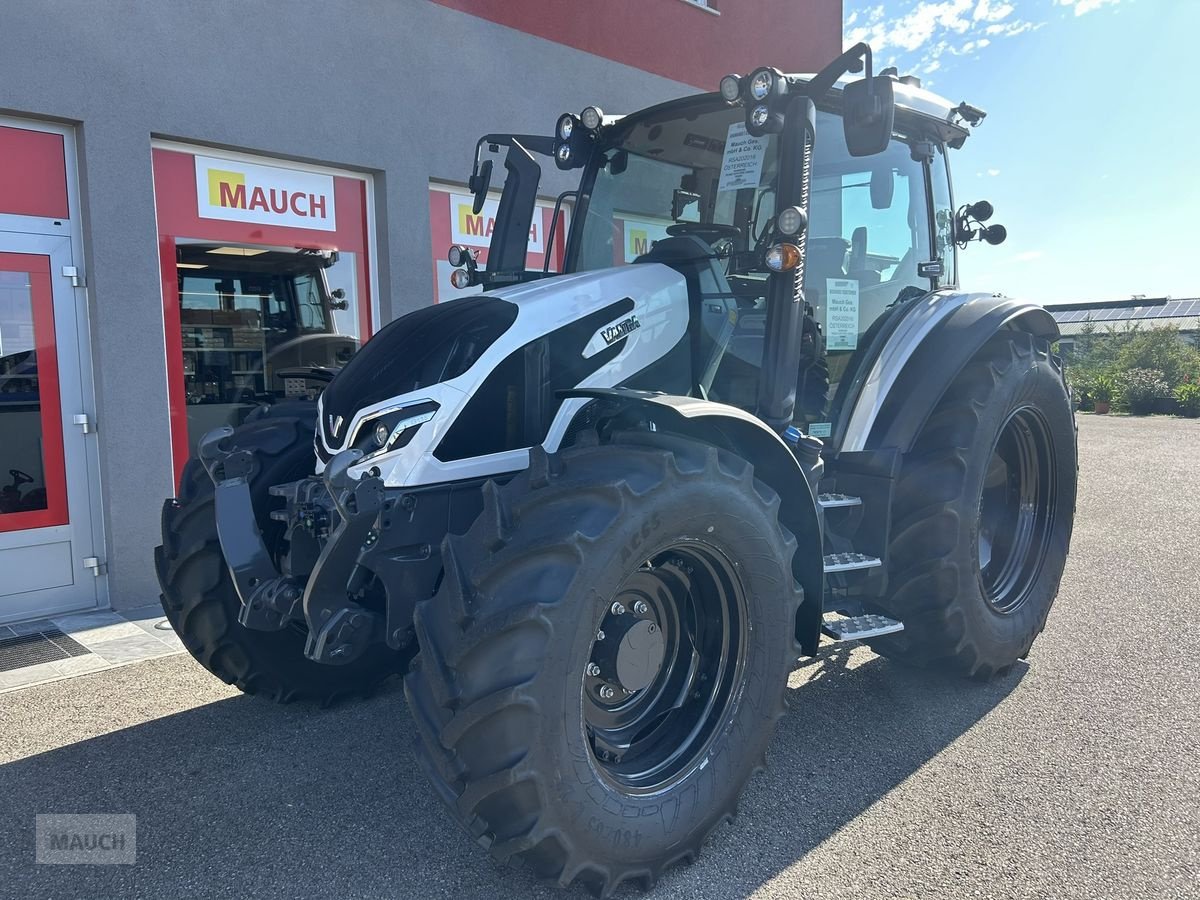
[869, 223]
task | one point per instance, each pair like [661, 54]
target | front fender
[774, 463]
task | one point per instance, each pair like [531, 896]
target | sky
[1091, 149]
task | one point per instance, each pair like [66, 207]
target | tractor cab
[801, 213]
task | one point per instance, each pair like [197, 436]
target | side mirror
[680, 201]
[883, 187]
[868, 115]
[479, 183]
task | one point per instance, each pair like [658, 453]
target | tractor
[594, 517]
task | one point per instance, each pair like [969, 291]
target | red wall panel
[677, 40]
[33, 173]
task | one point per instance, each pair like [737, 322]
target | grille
[45, 645]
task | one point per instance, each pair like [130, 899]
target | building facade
[200, 201]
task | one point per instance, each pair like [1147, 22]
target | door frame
[72, 229]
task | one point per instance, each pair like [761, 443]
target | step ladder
[852, 628]
[849, 562]
[860, 628]
[837, 501]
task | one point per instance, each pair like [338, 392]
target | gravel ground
[1075, 776]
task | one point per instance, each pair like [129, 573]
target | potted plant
[1187, 396]
[1102, 391]
[1141, 389]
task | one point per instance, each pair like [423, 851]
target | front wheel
[605, 661]
[983, 512]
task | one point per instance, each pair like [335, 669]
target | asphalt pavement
[1076, 776]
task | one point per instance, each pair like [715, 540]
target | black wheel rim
[665, 669]
[1016, 511]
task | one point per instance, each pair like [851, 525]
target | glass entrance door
[45, 491]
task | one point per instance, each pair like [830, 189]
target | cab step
[835, 501]
[849, 562]
[859, 628]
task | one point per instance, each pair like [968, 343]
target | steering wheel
[20, 477]
[709, 232]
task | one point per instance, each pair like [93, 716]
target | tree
[1162, 350]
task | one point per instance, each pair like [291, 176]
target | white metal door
[48, 555]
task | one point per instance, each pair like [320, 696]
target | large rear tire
[198, 594]
[982, 515]
[654, 568]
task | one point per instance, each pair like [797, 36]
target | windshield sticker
[741, 166]
[820, 429]
[841, 314]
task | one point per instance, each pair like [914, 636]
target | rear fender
[740, 432]
[923, 357]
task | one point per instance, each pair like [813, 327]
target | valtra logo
[266, 195]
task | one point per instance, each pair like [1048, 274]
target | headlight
[731, 87]
[791, 221]
[592, 118]
[394, 429]
[759, 116]
[566, 126]
[783, 257]
[564, 153]
[761, 84]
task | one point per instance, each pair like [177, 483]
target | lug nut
[618, 609]
[641, 608]
[593, 669]
[607, 692]
[599, 635]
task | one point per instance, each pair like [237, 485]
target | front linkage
[346, 540]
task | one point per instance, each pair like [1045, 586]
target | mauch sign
[265, 195]
[475, 229]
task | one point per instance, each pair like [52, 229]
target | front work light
[783, 257]
[731, 88]
[565, 127]
[761, 84]
[791, 221]
[592, 118]
[564, 154]
[460, 278]
[459, 255]
[759, 116]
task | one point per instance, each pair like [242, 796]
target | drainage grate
[45, 645]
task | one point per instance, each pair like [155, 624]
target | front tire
[516, 730]
[198, 594]
[983, 512]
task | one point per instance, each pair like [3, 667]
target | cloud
[1083, 7]
[917, 37]
[1029, 256]
[993, 172]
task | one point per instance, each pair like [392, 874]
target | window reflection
[260, 324]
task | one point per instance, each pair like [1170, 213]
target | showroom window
[266, 283]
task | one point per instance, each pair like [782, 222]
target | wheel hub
[640, 656]
[1016, 511]
[664, 666]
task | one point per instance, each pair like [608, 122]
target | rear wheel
[983, 513]
[604, 663]
[198, 594]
